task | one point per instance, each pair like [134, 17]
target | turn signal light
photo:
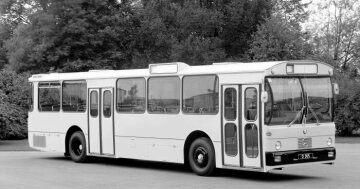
[329, 141]
[278, 145]
[330, 154]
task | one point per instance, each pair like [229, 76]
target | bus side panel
[160, 137]
[48, 130]
[154, 149]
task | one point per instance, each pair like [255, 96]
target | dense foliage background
[37, 36]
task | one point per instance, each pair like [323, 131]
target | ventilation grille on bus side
[39, 141]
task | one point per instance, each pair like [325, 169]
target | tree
[241, 19]
[74, 36]
[198, 38]
[13, 13]
[280, 36]
[335, 27]
[178, 31]
[276, 39]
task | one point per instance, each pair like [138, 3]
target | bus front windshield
[294, 100]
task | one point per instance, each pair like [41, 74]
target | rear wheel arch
[70, 132]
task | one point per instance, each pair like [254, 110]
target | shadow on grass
[180, 168]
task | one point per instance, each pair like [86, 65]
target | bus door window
[94, 107]
[107, 104]
[250, 104]
[230, 104]
[251, 130]
[230, 114]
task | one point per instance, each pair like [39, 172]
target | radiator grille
[304, 143]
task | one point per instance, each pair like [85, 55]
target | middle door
[107, 121]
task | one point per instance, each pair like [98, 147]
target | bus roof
[161, 70]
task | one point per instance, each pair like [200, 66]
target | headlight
[278, 145]
[329, 141]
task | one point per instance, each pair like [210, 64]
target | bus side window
[200, 94]
[49, 96]
[130, 95]
[164, 95]
[31, 97]
[74, 96]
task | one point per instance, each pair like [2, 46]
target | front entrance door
[230, 125]
[101, 121]
[240, 126]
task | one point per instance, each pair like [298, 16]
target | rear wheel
[202, 157]
[77, 147]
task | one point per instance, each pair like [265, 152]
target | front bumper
[300, 156]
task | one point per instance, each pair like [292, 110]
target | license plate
[305, 156]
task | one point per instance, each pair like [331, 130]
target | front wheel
[202, 157]
[77, 147]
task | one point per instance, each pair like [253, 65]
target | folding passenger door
[230, 125]
[94, 121]
[250, 126]
[101, 121]
[107, 121]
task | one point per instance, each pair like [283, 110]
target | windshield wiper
[314, 114]
[298, 115]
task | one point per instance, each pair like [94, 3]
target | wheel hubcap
[201, 156]
[77, 147]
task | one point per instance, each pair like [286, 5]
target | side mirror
[264, 96]
[336, 88]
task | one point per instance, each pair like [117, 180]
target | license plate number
[305, 156]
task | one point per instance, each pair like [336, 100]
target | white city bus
[245, 116]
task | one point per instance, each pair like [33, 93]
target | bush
[347, 110]
[14, 94]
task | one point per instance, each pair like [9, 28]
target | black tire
[77, 147]
[202, 157]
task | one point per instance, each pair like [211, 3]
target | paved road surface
[50, 170]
